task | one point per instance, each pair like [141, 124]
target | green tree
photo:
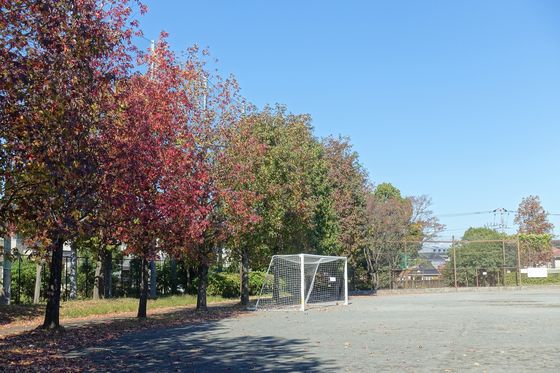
[349, 187]
[479, 258]
[388, 217]
[348, 183]
[290, 182]
[386, 191]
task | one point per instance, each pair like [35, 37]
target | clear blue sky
[457, 100]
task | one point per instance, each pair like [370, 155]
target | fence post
[346, 281]
[38, 278]
[302, 282]
[122, 283]
[18, 300]
[86, 267]
[504, 262]
[454, 260]
[518, 277]
[476, 271]
[405, 266]
[73, 271]
[65, 278]
[6, 271]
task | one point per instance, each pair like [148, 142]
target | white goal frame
[296, 266]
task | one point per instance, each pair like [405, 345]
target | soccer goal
[298, 281]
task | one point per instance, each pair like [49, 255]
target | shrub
[552, 278]
[256, 281]
[227, 284]
[23, 280]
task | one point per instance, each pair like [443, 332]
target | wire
[464, 214]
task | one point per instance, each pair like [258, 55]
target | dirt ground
[485, 331]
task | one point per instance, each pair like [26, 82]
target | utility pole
[502, 223]
[504, 262]
[454, 260]
[518, 277]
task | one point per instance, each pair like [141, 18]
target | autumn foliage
[60, 61]
[159, 156]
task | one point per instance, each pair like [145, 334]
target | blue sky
[456, 100]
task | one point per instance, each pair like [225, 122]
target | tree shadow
[20, 312]
[51, 350]
[206, 347]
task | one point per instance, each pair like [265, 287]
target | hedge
[227, 284]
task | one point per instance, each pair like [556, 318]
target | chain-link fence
[475, 263]
[383, 265]
[29, 277]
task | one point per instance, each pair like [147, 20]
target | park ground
[480, 331]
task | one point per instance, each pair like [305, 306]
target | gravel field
[486, 331]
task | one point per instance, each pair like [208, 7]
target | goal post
[300, 281]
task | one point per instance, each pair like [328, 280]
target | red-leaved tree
[59, 63]
[155, 175]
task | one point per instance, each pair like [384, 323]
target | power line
[463, 214]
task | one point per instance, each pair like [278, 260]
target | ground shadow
[43, 350]
[20, 312]
[206, 347]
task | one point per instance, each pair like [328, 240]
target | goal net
[298, 281]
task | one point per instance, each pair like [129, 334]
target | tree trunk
[108, 274]
[374, 281]
[73, 271]
[6, 272]
[244, 276]
[37, 292]
[201, 305]
[143, 303]
[52, 312]
[98, 279]
[153, 279]
[173, 275]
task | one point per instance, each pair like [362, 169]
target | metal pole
[454, 260]
[6, 271]
[66, 278]
[19, 277]
[302, 279]
[476, 271]
[518, 277]
[346, 281]
[504, 263]
[122, 284]
[86, 268]
[405, 264]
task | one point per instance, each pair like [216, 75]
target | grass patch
[84, 308]
[551, 279]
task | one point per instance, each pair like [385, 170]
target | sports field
[479, 331]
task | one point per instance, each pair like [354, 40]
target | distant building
[422, 272]
[436, 259]
[556, 257]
